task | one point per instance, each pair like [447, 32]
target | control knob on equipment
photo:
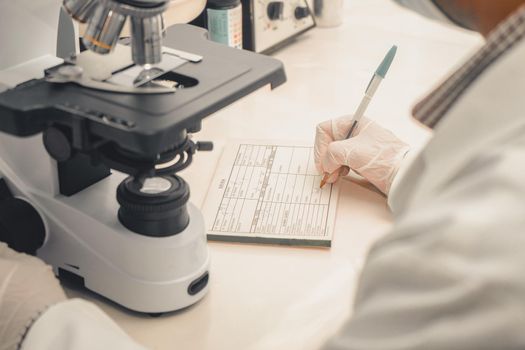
[301, 12]
[21, 226]
[275, 10]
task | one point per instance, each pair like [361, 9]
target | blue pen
[371, 89]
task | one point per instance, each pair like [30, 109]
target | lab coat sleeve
[393, 198]
[403, 169]
[76, 324]
[451, 274]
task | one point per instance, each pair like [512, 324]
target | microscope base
[85, 239]
[144, 274]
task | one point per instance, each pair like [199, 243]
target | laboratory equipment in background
[224, 22]
[328, 13]
[90, 144]
[269, 25]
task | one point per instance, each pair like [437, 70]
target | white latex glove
[373, 152]
[27, 288]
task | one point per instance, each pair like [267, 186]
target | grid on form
[271, 191]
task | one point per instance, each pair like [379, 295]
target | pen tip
[387, 61]
[393, 50]
[324, 180]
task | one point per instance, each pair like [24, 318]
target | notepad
[268, 192]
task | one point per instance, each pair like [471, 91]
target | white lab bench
[272, 297]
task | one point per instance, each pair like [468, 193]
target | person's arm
[77, 324]
[395, 193]
[35, 313]
[28, 288]
[451, 273]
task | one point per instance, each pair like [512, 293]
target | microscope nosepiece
[106, 19]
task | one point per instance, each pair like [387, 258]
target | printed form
[268, 192]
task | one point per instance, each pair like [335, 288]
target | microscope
[91, 143]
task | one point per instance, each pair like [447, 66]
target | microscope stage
[144, 124]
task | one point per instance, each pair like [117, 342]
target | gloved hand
[27, 288]
[373, 152]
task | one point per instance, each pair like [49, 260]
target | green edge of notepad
[267, 240]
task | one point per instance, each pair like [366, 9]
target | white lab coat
[451, 274]
[77, 324]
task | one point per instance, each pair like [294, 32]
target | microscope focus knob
[57, 142]
[21, 226]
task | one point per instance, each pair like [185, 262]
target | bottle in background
[224, 22]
